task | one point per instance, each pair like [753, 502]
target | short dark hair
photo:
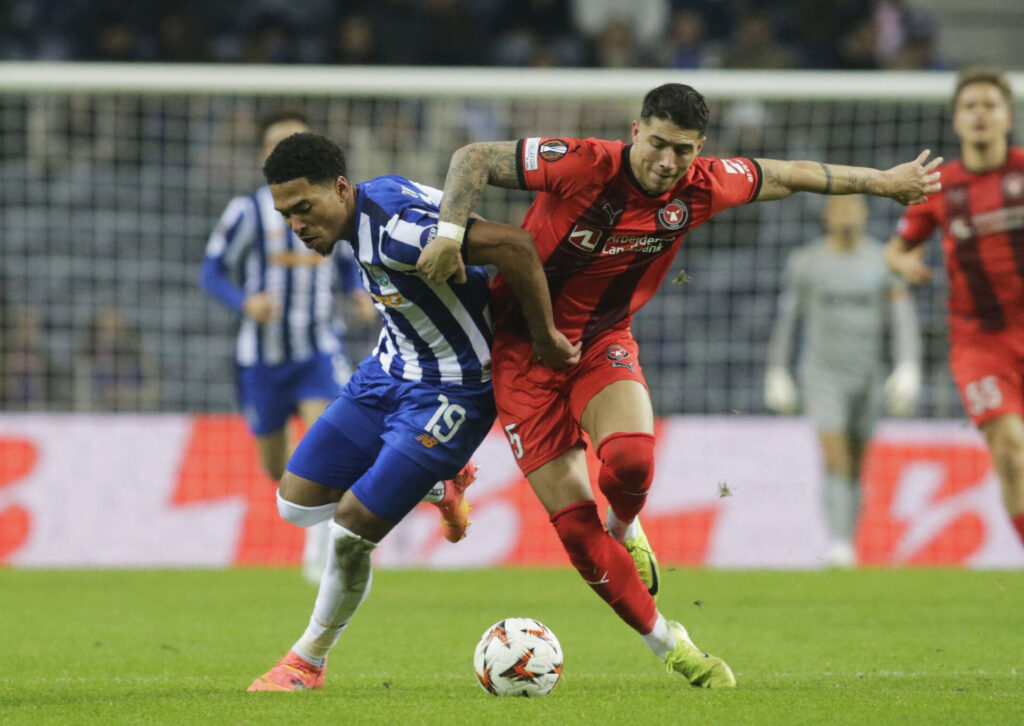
[308, 155]
[282, 114]
[980, 74]
[676, 102]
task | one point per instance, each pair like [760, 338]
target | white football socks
[617, 529]
[343, 587]
[661, 640]
[314, 553]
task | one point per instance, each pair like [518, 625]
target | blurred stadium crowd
[836, 34]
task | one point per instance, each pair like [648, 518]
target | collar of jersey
[632, 178]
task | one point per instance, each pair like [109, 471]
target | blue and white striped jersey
[253, 243]
[432, 333]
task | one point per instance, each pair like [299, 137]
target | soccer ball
[518, 657]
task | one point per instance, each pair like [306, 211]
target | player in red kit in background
[607, 221]
[981, 214]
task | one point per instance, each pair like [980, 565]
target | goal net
[113, 176]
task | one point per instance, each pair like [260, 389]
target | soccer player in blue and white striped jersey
[420, 404]
[290, 355]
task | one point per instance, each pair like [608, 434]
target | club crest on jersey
[619, 357]
[1013, 185]
[673, 215]
[378, 275]
[553, 150]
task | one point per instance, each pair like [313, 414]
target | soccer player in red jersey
[981, 214]
[607, 221]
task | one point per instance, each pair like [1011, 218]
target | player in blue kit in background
[421, 403]
[290, 357]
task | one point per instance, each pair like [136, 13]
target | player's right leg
[619, 419]
[1005, 438]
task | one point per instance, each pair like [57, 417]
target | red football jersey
[982, 221]
[606, 245]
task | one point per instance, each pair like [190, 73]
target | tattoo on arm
[773, 180]
[502, 165]
[828, 179]
[472, 168]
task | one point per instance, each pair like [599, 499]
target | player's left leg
[1005, 437]
[989, 371]
[835, 407]
[563, 487]
[362, 518]
[274, 448]
[840, 496]
[344, 585]
[267, 402]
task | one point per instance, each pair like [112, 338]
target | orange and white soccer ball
[518, 657]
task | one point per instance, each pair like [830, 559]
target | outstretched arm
[908, 183]
[472, 168]
[512, 251]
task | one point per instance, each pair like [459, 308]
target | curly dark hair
[308, 155]
[678, 103]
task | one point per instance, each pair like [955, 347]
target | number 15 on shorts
[514, 440]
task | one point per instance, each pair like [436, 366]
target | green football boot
[696, 666]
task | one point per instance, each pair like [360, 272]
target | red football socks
[605, 565]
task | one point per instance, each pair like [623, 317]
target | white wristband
[452, 231]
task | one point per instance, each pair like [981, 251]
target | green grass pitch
[833, 647]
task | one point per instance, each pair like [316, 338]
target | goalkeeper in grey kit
[842, 291]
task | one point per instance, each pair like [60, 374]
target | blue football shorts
[269, 395]
[390, 440]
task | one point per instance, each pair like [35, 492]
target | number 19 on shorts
[451, 415]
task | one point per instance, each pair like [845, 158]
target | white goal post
[443, 82]
[112, 175]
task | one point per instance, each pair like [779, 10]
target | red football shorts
[988, 368]
[540, 408]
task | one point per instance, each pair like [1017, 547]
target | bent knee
[630, 459]
[301, 515]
